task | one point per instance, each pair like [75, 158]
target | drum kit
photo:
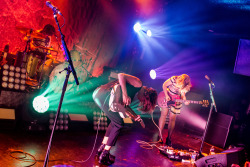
[41, 63]
[37, 60]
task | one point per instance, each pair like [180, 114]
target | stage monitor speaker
[224, 159]
[242, 62]
[218, 129]
[7, 118]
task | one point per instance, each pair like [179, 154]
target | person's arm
[132, 80]
[165, 88]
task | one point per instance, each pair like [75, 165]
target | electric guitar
[118, 105]
[175, 102]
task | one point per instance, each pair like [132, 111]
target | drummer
[39, 44]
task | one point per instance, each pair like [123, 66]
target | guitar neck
[190, 101]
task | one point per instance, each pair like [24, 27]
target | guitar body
[174, 106]
[175, 102]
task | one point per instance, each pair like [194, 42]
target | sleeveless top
[173, 87]
[131, 91]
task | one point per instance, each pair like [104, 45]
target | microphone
[55, 9]
[209, 80]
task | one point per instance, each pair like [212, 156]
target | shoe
[168, 142]
[105, 158]
[100, 150]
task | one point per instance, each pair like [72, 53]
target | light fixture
[13, 78]
[152, 74]
[41, 104]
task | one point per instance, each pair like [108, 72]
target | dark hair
[148, 99]
[48, 29]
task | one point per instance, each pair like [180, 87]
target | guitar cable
[151, 145]
[82, 161]
[23, 156]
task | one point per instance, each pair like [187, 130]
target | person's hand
[186, 102]
[126, 100]
[167, 98]
[3, 62]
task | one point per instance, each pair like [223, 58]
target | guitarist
[131, 89]
[176, 85]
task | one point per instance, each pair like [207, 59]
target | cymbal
[50, 57]
[53, 59]
[30, 32]
[46, 48]
[24, 30]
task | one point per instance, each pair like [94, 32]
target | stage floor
[72, 148]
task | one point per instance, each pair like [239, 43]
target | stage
[72, 147]
[91, 43]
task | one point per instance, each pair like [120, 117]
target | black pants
[101, 97]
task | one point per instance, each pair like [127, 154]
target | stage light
[62, 122]
[41, 104]
[13, 78]
[149, 33]
[137, 27]
[152, 74]
[103, 124]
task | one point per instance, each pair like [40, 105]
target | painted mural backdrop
[89, 27]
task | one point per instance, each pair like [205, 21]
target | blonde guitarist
[176, 86]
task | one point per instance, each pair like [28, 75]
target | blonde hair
[186, 83]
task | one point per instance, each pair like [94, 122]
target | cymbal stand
[213, 105]
[88, 73]
[69, 69]
[26, 50]
[41, 74]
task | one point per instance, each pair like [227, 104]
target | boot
[100, 150]
[105, 158]
[168, 142]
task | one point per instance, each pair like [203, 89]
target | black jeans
[101, 97]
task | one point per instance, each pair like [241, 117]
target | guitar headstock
[204, 103]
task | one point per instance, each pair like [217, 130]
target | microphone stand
[213, 105]
[69, 69]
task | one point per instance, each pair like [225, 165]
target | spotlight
[152, 74]
[41, 104]
[149, 33]
[137, 27]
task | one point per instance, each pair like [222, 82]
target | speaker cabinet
[218, 129]
[224, 159]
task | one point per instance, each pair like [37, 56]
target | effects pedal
[178, 155]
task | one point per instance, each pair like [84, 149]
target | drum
[32, 65]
